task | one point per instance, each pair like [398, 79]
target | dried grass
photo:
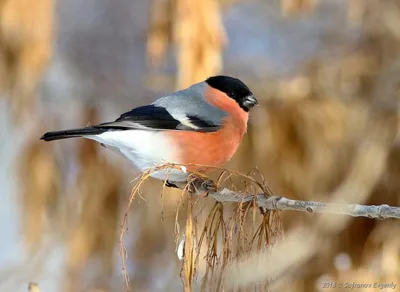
[225, 239]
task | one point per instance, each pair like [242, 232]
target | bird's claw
[201, 184]
[209, 185]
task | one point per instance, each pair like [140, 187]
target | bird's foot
[194, 185]
[201, 185]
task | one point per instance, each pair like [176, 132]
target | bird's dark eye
[233, 94]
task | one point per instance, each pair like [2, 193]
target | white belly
[145, 149]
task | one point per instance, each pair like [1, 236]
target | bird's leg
[171, 184]
[189, 186]
[195, 184]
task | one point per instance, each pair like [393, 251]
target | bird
[201, 125]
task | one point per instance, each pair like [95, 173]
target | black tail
[65, 134]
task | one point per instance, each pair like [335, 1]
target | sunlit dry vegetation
[328, 131]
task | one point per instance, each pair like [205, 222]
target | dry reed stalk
[33, 287]
[295, 7]
[188, 267]
[160, 31]
[26, 45]
[356, 11]
[40, 181]
[98, 184]
[183, 22]
[198, 57]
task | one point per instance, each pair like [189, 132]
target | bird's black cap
[235, 89]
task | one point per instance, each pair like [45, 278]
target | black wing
[158, 118]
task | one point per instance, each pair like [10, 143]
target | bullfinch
[200, 125]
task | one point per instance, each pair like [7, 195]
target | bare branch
[282, 203]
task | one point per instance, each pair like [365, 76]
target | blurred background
[327, 76]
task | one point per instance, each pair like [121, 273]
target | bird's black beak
[250, 101]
